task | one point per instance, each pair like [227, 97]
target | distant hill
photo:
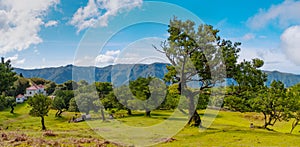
[287, 78]
[121, 72]
[118, 73]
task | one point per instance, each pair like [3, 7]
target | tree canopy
[7, 76]
[40, 106]
[196, 56]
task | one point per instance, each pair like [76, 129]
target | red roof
[20, 96]
[32, 88]
[35, 87]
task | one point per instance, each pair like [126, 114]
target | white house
[35, 89]
[20, 98]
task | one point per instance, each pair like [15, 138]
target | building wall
[31, 93]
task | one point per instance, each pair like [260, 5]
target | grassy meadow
[228, 129]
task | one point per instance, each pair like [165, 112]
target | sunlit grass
[228, 129]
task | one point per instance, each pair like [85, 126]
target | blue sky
[101, 32]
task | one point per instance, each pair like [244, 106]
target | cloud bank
[290, 43]
[20, 23]
[97, 12]
[282, 15]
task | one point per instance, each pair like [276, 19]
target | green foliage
[39, 81]
[40, 106]
[250, 79]
[66, 96]
[2, 102]
[103, 88]
[70, 85]
[294, 105]
[11, 102]
[73, 105]
[273, 103]
[249, 75]
[197, 53]
[85, 102]
[7, 76]
[59, 105]
[21, 84]
[173, 97]
[148, 94]
[82, 83]
[123, 95]
[50, 87]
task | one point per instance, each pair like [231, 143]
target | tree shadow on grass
[210, 115]
[12, 115]
[61, 119]
[254, 131]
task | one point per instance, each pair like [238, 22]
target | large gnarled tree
[196, 56]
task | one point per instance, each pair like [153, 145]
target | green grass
[228, 129]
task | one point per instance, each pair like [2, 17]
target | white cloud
[97, 12]
[20, 23]
[282, 14]
[101, 60]
[113, 53]
[290, 43]
[15, 60]
[108, 57]
[248, 36]
[274, 59]
[51, 23]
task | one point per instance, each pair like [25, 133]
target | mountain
[287, 78]
[118, 74]
[121, 73]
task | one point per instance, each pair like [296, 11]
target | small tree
[59, 105]
[249, 81]
[147, 97]
[11, 102]
[294, 105]
[73, 106]
[66, 96]
[123, 95]
[40, 107]
[273, 103]
[85, 102]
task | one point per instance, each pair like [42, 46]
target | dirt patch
[20, 139]
[254, 117]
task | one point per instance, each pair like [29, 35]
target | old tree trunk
[43, 123]
[195, 119]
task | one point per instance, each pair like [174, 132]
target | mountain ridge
[62, 74]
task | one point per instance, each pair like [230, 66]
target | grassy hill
[228, 129]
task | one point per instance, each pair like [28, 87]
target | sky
[52, 33]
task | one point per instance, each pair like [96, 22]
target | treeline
[276, 102]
